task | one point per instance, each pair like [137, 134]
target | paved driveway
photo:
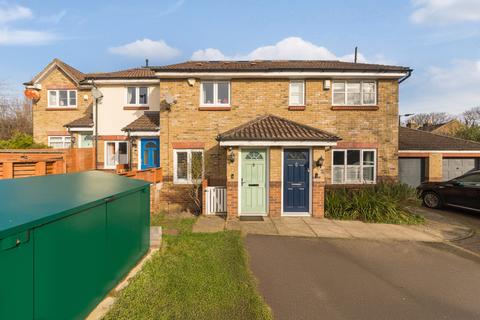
[315, 278]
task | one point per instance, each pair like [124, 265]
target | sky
[439, 39]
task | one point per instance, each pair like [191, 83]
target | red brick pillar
[318, 201]
[232, 183]
[275, 184]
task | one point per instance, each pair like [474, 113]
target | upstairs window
[216, 93]
[137, 96]
[354, 93]
[297, 93]
[354, 166]
[62, 98]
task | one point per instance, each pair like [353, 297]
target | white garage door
[454, 167]
[410, 171]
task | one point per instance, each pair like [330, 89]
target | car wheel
[431, 200]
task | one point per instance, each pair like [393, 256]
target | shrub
[21, 141]
[382, 203]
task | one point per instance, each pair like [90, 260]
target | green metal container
[66, 240]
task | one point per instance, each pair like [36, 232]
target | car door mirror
[457, 183]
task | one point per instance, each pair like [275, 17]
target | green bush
[469, 133]
[21, 141]
[382, 203]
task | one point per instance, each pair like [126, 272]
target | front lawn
[194, 276]
[382, 203]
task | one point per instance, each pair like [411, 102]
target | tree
[15, 114]
[195, 190]
[431, 118]
[471, 117]
[469, 133]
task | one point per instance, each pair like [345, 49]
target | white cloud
[54, 18]
[291, 48]
[445, 11]
[10, 13]
[25, 37]
[447, 89]
[172, 9]
[146, 48]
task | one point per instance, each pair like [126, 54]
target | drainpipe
[96, 133]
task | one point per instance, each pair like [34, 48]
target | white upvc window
[187, 166]
[354, 93]
[297, 93]
[62, 98]
[60, 142]
[354, 166]
[215, 93]
[137, 96]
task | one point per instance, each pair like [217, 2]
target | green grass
[173, 222]
[382, 203]
[195, 276]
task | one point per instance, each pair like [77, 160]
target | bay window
[354, 93]
[215, 93]
[354, 166]
[188, 166]
[62, 98]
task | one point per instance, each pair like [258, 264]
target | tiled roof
[85, 121]
[149, 121]
[412, 139]
[135, 73]
[277, 65]
[273, 128]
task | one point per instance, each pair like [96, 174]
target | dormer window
[137, 96]
[354, 93]
[62, 98]
[215, 93]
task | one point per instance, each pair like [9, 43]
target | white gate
[216, 200]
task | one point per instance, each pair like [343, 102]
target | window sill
[60, 108]
[214, 108]
[363, 108]
[142, 107]
[296, 108]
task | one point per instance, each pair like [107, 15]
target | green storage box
[66, 240]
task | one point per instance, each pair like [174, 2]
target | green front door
[253, 182]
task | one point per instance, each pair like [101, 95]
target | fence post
[8, 170]
[40, 168]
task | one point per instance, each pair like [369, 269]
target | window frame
[290, 93]
[57, 105]
[345, 103]
[215, 93]
[137, 96]
[63, 141]
[189, 152]
[361, 166]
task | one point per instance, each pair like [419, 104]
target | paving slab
[209, 224]
[258, 227]
[297, 228]
[329, 230]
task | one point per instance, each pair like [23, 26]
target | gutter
[409, 73]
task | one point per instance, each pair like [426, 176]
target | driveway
[320, 278]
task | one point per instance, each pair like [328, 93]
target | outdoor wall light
[320, 162]
[231, 155]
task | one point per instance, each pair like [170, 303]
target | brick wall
[47, 121]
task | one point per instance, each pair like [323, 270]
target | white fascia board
[75, 129]
[243, 143]
[122, 81]
[144, 133]
[439, 151]
[299, 75]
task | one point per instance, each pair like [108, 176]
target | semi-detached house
[274, 133]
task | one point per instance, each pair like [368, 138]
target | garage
[454, 167]
[411, 171]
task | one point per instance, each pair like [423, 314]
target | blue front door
[150, 153]
[296, 181]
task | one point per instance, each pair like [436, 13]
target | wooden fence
[38, 162]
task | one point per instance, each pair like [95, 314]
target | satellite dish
[97, 94]
[169, 99]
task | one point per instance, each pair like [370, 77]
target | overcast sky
[439, 39]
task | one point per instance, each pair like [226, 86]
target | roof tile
[413, 139]
[149, 121]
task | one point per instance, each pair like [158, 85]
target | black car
[462, 192]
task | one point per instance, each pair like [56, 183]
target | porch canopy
[84, 123]
[270, 130]
[147, 124]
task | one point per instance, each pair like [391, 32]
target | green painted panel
[16, 277]
[124, 236]
[145, 213]
[70, 265]
[253, 181]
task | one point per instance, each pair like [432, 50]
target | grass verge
[173, 222]
[195, 276]
[382, 203]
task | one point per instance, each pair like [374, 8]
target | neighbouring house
[427, 156]
[272, 134]
[447, 128]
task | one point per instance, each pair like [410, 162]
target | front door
[253, 195]
[150, 153]
[296, 181]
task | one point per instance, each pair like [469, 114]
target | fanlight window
[297, 156]
[254, 155]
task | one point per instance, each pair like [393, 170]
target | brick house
[274, 133]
